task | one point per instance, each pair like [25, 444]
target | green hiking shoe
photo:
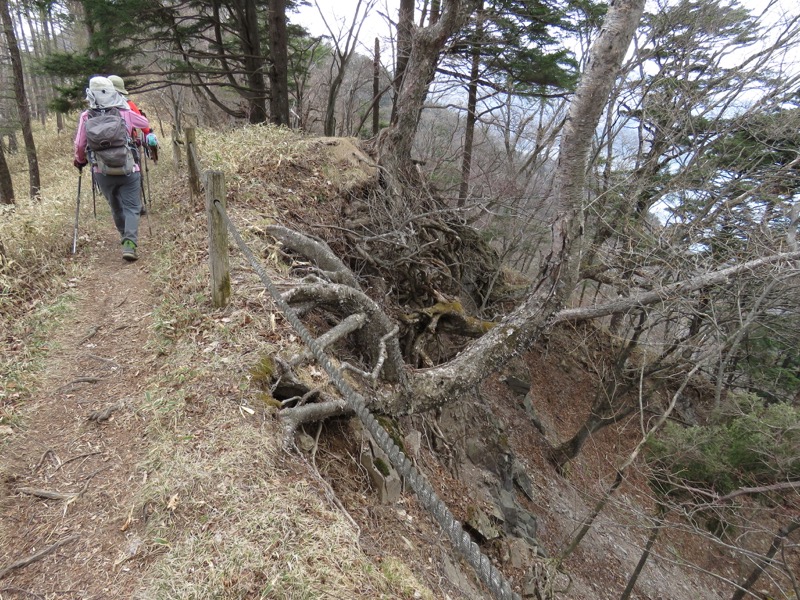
[129, 250]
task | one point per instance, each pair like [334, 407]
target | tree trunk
[22, 101]
[329, 126]
[279, 64]
[405, 28]
[558, 276]
[435, 10]
[253, 62]
[472, 103]
[651, 539]
[342, 53]
[417, 71]
[6, 185]
[376, 88]
[765, 561]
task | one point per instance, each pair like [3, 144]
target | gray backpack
[109, 146]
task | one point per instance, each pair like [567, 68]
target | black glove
[78, 164]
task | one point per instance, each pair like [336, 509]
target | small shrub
[751, 443]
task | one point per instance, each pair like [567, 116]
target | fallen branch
[47, 494]
[92, 332]
[37, 556]
[78, 380]
[669, 292]
[98, 416]
[292, 418]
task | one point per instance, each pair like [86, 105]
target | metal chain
[486, 571]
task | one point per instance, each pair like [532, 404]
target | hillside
[140, 459]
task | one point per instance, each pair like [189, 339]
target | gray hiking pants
[123, 195]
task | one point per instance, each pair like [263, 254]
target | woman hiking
[106, 142]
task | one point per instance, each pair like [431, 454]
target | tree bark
[279, 63]
[472, 103]
[253, 61]
[376, 88]
[22, 101]
[405, 28]
[765, 561]
[651, 539]
[6, 185]
[558, 276]
[412, 80]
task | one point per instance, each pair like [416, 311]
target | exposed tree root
[37, 556]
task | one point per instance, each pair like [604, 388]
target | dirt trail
[82, 441]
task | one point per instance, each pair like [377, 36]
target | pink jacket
[132, 120]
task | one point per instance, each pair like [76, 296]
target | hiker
[103, 138]
[149, 141]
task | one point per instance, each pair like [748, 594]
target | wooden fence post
[191, 159]
[217, 240]
[176, 151]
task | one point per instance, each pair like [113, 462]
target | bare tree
[21, 97]
[344, 46]
[426, 44]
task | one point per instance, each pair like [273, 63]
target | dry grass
[230, 514]
[36, 273]
[233, 516]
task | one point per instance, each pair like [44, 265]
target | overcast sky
[339, 16]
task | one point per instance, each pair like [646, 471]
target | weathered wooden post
[217, 240]
[194, 168]
[176, 150]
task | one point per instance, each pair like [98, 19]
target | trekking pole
[94, 199]
[147, 176]
[77, 213]
[141, 186]
[144, 204]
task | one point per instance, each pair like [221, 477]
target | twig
[74, 458]
[83, 489]
[92, 332]
[70, 497]
[37, 556]
[107, 360]
[98, 416]
[79, 380]
[48, 452]
[47, 494]
[17, 590]
[329, 492]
